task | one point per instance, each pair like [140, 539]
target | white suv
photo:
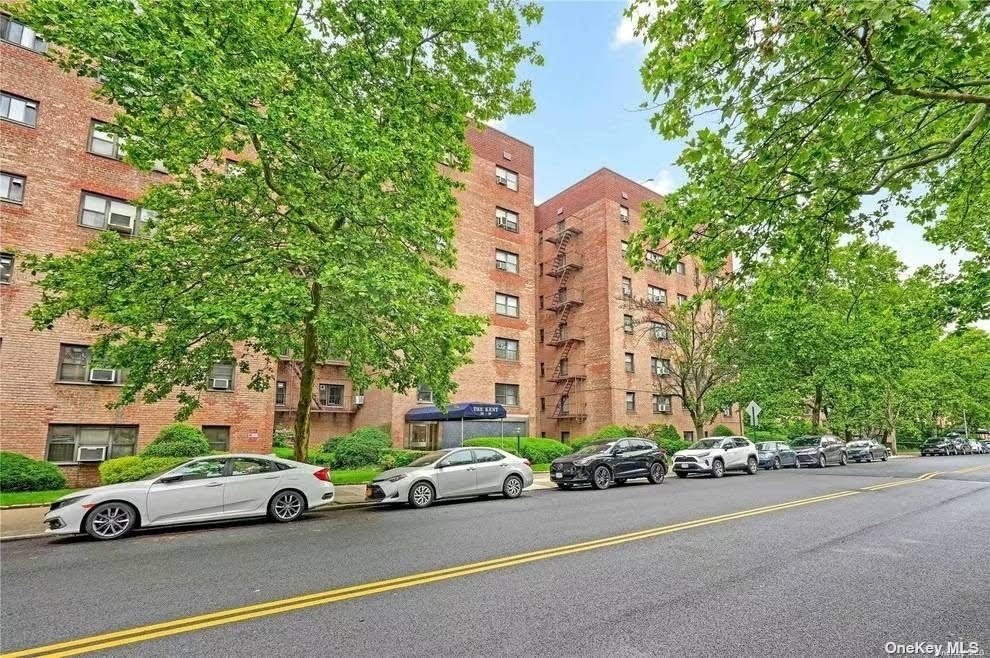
[716, 455]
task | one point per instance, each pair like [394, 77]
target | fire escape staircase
[563, 266]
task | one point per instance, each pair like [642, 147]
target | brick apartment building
[552, 356]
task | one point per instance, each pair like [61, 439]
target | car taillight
[323, 474]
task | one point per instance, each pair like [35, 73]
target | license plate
[556, 475]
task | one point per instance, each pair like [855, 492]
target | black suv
[602, 464]
[938, 446]
[820, 451]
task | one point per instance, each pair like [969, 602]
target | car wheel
[884, 458]
[680, 475]
[110, 521]
[822, 461]
[843, 460]
[512, 487]
[776, 463]
[657, 473]
[718, 468]
[421, 495]
[751, 466]
[286, 506]
[602, 478]
[797, 464]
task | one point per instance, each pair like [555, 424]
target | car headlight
[396, 478]
[581, 462]
[65, 502]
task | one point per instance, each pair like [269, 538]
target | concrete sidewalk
[19, 522]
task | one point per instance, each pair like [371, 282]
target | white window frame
[10, 182]
[28, 109]
[6, 269]
[662, 404]
[626, 287]
[28, 38]
[628, 323]
[509, 350]
[114, 142]
[509, 394]
[511, 177]
[681, 268]
[656, 295]
[507, 303]
[112, 439]
[624, 214]
[661, 331]
[424, 394]
[630, 401]
[509, 260]
[327, 387]
[139, 216]
[629, 359]
[213, 375]
[507, 219]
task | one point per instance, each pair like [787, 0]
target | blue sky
[587, 95]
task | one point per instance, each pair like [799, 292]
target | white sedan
[210, 488]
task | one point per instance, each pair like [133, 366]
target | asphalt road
[730, 566]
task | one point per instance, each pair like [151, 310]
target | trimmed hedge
[536, 450]
[315, 458]
[131, 469]
[21, 473]
[399, 458]
[722, 430]
[759, 436]
[361, 447]
[178, 440]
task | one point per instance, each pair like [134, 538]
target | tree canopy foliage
[809, 121]
[330, 236]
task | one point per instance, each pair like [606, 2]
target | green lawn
[31, 497]
[540, 468]
[354, 475]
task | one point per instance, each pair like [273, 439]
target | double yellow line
[137, 634]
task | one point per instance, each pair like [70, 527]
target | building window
[541, 269]
[20, 35]
[681, 268]
[331, 395]
[18, 109]
[657, 295]
[660, 331]
[65, 441]
[727, 411]
[6, 268]
[562, 367]
[627, 323]
[681, 299]
[280, 393]
[507, 219]
[630, 401]
[541, 336]
[630, 362]
[12, 188]
[626, 287]
[424, 394]
[652, 258]
[565, 404]
[506, 348]
[222, 377]
[624, 214]
[506, 305]
[541, 302]
[543, 404]
[661, 404]
[218, 436]
[74, 366]
[660, 367]
[542, 370]
[565, 437]
[507, 394]
[625, 248]
[103, 212]
[689, 436]
[506, 261]
[507, 177]
[104, 143]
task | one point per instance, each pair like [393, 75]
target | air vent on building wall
[560, 211]
[506, 155]
[625, 196]
[358, 400]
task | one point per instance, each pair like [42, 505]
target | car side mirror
[168, 479]
[439, 465]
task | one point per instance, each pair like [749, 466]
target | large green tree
[331, 237]
[806, 121]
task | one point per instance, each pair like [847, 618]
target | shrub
[283, 438]
[722, 430]
[613, 432]
[758, 436]
[362, 447]
[400, 458]
[327, 459]
[130, 469]
[178, 440]
[21, 473]
[577, 444]
[668, 438]
[536, 450]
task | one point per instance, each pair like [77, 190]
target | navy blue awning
[458, 411]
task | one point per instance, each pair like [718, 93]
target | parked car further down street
[975, 447]
[938, 445]
[775, 454]
[963, 446]
[986, 446]
[602, 464]
[204, 489]
[820, 451]
[865, 450]
[452, 473]
[716, 455]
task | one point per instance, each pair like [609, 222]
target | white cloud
[625, 30]
[664, 182]
[497, 124]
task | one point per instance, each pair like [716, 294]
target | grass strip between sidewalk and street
[8, 498]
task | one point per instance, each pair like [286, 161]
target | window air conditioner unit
[358, 400]
[501, 221]
[501, 180]
[104, 375]
[220, 383]
[501, 265]
[91, 453]
[624, 219]
[122, 223]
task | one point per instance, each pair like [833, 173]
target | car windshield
[859, 444]
[594, 448]
[766, 447]
[806, 441]
[429, 458]
[706, 444]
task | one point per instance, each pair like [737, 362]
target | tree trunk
[893, 440]
[816, 410]
[307, 378]
[699, 427]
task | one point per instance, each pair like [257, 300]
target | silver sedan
[452, 473]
